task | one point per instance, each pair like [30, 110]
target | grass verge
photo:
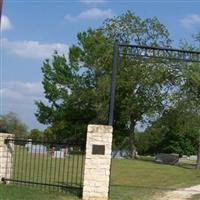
[131, 180]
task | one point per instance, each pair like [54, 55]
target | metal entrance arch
[145, 51]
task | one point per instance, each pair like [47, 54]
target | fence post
[97, 162]
[5, 156]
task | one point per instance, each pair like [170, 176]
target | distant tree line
[11, 123]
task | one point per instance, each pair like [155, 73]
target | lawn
[196, 197]
[11, 192]
[140, 179]
[131, 180]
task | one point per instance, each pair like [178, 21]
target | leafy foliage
[78, 89]
[176, 131]
[178, 128]
[10, 123]
[36, 134]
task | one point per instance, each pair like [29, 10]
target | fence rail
[46, 164]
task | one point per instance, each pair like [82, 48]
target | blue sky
[32, 30]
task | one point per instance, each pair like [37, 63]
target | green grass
[12, 192]
[195, 197]
[131, 180]
[140, 180]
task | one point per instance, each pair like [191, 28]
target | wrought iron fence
[46, 164]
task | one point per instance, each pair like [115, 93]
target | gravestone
[36, 148]
[167, 158]
[120, 154]
[193, 158]
[184, 158]
[58, 154]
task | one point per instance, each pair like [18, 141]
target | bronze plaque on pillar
[98, 149]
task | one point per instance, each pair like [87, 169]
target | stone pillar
[6, 151]
[97, 162]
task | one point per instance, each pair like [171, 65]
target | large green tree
[78, 89]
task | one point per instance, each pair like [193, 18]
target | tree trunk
[198, 156]
[133, 152]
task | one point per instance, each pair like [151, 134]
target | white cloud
[69, 17]
[94, 13]
[8, 93]
[34, 49]
[5, 23]
[190, 20]
[25, 87]
[19, 97]
[91, 2]
[22, 91]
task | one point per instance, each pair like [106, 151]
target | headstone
[28, 144]
[120, 154]
[58, 154]
[184, 158]
[167, 158]
[36, 148]
[193, 157]
[66, 151]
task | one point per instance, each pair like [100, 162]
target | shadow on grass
[145, 158]
[143, 187]
[63, 188]
[126, 192]
[25, 192]
[183, 165]
[186, 165]
[75, 190]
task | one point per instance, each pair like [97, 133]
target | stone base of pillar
[6, 151]
[97, 162]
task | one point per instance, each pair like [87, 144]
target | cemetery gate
[137, 52]
[46, 164]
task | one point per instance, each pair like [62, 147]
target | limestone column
[6, 151]
[97, 162]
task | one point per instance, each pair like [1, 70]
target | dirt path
[181, 194]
